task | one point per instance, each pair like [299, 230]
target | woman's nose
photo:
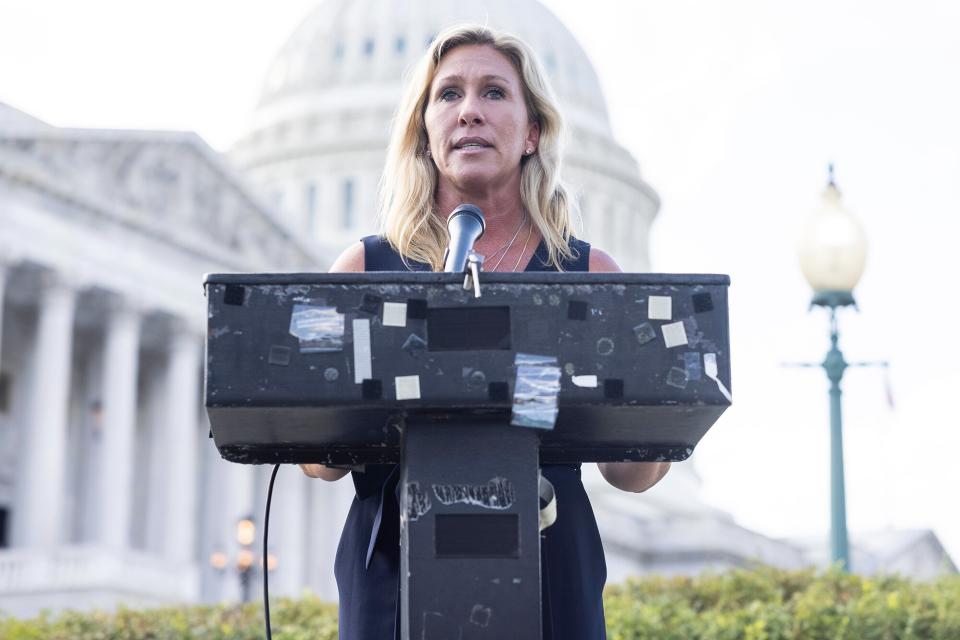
[470, 112]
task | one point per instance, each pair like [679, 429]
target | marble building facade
[108, 488]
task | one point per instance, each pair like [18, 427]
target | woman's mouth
[471, 144]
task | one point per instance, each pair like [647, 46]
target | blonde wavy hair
[407, 209]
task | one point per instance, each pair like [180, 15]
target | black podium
[469, 395]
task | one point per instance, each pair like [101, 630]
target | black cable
[266, 566]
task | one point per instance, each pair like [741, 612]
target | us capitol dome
[318, 137]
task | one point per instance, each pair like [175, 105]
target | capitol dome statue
[318, 137]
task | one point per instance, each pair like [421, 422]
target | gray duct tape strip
[319, 329]
[535, 391]
[548, 497]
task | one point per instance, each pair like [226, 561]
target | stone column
[9, 257]
[4, 270]
[120, 365]
[182, 400]
[39, 514]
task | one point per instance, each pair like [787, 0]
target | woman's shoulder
[352, 259]
[600, 261]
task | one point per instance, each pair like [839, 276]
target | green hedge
[760, 604]
[771, 604]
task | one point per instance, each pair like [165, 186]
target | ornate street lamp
[833, 251]
[246, 561]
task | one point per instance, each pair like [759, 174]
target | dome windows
[368, 47]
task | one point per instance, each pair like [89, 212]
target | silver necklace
[524, 250]
[506, 248]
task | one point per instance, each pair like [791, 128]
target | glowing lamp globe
[832, 246]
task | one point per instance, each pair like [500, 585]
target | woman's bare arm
[351, 260]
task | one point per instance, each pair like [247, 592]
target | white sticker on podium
[674, 335]
[394, 314]
[589, 382]
[408, 387]
[660, 308]
[711, 370]
[362, 360]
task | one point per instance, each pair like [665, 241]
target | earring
[528, 151]
[428, 154]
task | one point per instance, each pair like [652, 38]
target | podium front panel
[329, 367]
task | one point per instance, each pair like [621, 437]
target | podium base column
[469, 526]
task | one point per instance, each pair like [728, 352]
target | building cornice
[102, 171]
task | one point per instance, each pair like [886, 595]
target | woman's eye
[495, 93]
[448, 94]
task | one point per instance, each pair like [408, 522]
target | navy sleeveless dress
[367, 566]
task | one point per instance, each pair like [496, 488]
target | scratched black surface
[311, 409]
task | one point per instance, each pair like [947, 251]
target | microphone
[466, 226]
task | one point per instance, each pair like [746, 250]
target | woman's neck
[502, 213]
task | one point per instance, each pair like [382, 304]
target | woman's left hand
[627, 476]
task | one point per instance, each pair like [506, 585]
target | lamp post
[832, 251]
[246, 562]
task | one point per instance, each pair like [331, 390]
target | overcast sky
[733, 111]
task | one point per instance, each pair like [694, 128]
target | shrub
[773, 604]
[305, 618]
[758, 604]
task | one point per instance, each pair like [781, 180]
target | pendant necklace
[524, 250]
[506, 248]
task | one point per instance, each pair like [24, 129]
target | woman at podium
[477, 123]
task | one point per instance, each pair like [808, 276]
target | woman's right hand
[324, 472]
[351, 260]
